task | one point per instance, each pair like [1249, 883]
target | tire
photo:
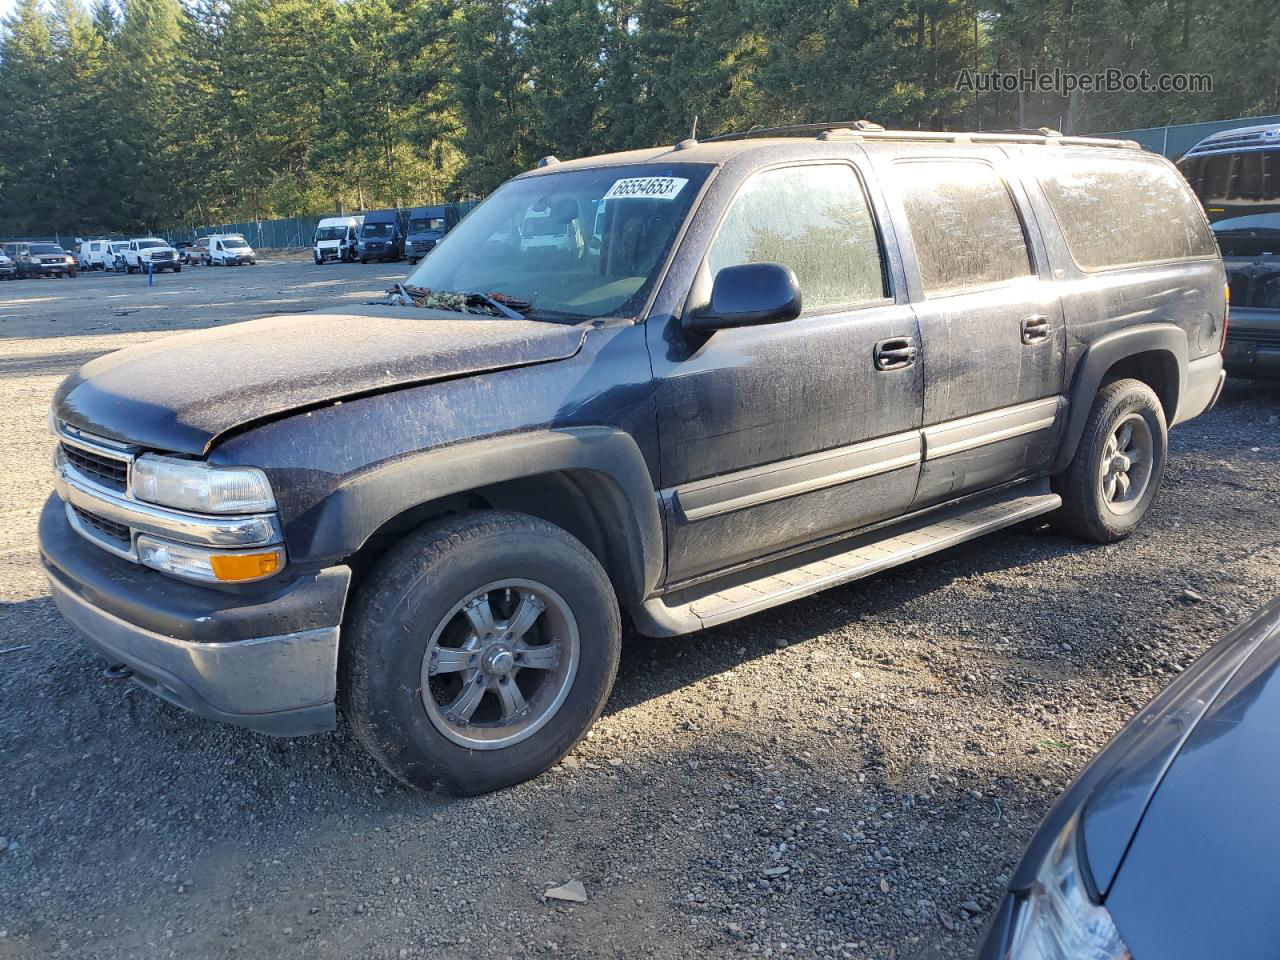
[1097, 505]
[413, 599]
[71, 274]
[177, 269]
[319, 262]
[364, 260]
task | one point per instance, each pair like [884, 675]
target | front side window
[964, 225]
[1123, 210]
[813, 219]
[533, 240]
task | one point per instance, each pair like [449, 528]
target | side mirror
[748, 295]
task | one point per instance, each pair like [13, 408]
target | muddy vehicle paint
[752, 370]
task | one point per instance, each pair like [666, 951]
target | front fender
[345, 520]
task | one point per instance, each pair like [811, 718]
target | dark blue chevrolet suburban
[677, 385]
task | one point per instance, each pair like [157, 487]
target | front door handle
[1035, 329]
[895, 353]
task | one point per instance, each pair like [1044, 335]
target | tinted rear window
[964, 224]
[1120, 211]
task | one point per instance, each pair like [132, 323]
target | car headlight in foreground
[1057, 920]
[201, 487]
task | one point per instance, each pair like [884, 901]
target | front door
[994, 337]
[774, 436]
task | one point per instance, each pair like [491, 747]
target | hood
[1201, 870]
[1122, 780]
[183, 393]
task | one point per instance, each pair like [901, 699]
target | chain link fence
[294, 233]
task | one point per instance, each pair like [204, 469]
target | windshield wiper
[497, 303]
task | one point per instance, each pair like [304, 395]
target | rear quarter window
[1123, 211]
[964, 225]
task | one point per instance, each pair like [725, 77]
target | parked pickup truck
[148, 253]
[1232, 174]
[764, 366]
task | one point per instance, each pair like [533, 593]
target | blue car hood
[1201, 874]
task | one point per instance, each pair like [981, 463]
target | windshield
[378, 230]
[573, 245]
[234, 243]
[148, 244]
[426, 224]
[46, 248]
[1253, 235]
[330, 233]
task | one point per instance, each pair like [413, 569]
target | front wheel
[177, 269]
[1117, 468]
[480, 651]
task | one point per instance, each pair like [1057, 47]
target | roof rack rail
[865, 130]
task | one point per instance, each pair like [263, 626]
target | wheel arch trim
[344, 521]
[1100, 357]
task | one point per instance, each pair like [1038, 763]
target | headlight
[200, 487]
[1058, 921]
[199, 563]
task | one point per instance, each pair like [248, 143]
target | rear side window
[1120, 211]
[964, 225]
[813, 219]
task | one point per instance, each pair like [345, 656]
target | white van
[336, 239]
[96, 255]
[229, 250]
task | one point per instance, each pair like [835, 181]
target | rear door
[990, 319]
[774, 436]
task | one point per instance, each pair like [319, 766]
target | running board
[759, 588]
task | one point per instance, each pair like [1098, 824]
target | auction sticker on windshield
[650, 188]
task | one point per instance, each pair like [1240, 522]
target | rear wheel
[481, 650]
[1118, 466]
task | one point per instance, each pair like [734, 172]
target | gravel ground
[852, 775]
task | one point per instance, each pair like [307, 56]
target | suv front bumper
[267, 660]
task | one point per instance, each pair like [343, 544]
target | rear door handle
[1035, 329]
[895, 353]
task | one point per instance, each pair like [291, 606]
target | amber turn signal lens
[233, 568]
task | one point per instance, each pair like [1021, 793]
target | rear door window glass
[964, 225]
[1118, 211]
[813, 219]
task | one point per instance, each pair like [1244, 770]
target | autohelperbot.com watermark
[1066, 82]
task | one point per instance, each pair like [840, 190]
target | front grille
[117, 532]
[108, 471]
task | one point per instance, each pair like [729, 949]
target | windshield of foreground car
[234, 243]
[330, 233]
[378, 230]
[614, 227]
[46, 248]
[149, 244]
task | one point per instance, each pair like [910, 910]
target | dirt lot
[892, 744]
